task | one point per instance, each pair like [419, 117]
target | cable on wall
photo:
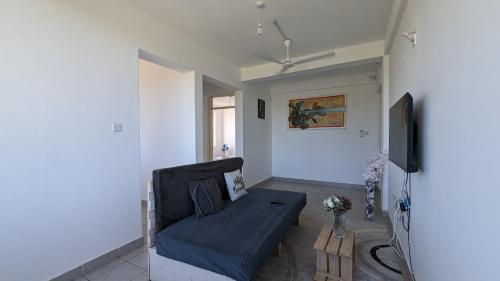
[402, 206]
[408, 192]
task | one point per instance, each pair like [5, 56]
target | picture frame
[261, 109]
[324, 112]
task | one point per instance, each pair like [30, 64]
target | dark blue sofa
[234, 242]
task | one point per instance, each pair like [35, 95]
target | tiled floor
[131, 267]
[134, 266]
[299, 260]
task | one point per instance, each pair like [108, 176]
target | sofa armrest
[151, 223]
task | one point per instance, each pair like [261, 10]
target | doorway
[222, 118]
[166, 118]
[220, 122]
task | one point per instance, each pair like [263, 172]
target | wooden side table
[334, 257]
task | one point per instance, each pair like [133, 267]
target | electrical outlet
[117, 127]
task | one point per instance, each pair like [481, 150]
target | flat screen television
[403, 135]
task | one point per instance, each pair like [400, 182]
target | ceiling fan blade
[281, 71]
[284, 68]
[313, 58]
[267, 58]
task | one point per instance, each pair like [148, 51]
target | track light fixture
[260, 5]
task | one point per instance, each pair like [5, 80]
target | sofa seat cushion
[236, 241]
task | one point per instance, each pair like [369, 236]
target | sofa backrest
[171, 189]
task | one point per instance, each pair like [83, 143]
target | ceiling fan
[288, 61]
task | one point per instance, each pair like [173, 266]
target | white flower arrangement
[375, 168]
[337, 204]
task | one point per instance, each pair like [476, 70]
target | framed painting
[317, 112]
[261, 109]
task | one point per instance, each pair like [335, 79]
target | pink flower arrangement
[375, 168]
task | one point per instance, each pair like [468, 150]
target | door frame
[211, 109]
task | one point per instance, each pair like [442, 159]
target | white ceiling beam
[343, 56]
[398, 9]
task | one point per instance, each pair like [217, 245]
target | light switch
[117, 127]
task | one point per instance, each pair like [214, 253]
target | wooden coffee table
[334, 257]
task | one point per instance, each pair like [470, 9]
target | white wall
[167, 119]
[384, 130]
[452, 74]
[333, 155]
[70, 188]
[256, 134]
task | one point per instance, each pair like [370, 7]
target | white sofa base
[165, 269]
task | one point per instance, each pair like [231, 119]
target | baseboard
[100, 261]
[324, 183]
[405, 271]
[403, 265]
[263, 182]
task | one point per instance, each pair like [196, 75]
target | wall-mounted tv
[403, 135]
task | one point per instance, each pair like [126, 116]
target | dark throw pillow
[206, 196]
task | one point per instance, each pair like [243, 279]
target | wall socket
[117, 127]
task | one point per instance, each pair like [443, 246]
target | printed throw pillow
[235, 185]
[206, 197]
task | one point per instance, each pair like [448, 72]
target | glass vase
[339, 225]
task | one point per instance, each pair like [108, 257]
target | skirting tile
[100, 261]
[70, 275]
[324, 183]
[263, 182]
[127, 248]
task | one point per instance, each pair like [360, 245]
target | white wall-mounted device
[412, 36]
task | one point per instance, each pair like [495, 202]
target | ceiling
[228, 27]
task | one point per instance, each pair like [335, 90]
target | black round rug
[373, 253]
